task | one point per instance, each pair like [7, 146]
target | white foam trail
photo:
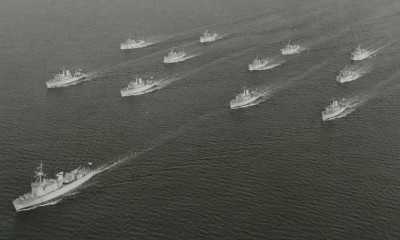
[129, 156]
[270, 66]
[167, 81]
[374, 50]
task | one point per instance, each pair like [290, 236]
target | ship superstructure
[138, 86]
[258, 64]
[132, 43]
[174, 56]
[360, 54]
[334, 109]
[348, 74]
[65, 78]
[208, 37]
[291, 49]
[245, 98]
[46, 189]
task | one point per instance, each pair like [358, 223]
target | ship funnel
[60, 176]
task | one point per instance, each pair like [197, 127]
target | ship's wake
[120, 160]
[273, 63]
[90, 76]
[167, 81]
[374, 49]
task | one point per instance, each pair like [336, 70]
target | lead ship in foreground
[245, 98]
[360, 54]
[347, 75]
[258, 64]
[46, 189]
[131, 43]
[333, 110]
[138, 86]
[65, 78]
[173, 56]
[208, 37]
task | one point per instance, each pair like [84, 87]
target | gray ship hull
[27, 204]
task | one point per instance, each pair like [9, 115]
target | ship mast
[39, 173]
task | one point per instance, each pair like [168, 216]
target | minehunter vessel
[291, 49]
[131, 43]
[360, 54]
[334, 109]
[46, 189]
[138, 86]
[65, 78]
[173, 56]
[348, 74]
[258, 64]
[208, 37]
[245, 98]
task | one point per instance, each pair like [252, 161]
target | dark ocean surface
[183, 165]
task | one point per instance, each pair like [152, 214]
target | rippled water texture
[179, 163]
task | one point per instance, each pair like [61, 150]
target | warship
[208, 37]
[46, 189]
[245, 98]
[258, 64]
[360, 54]
[291, 49]
[131, 43]
[138, 86]
[173, 56]
[334, 109]
[65, 78]
[347, 75]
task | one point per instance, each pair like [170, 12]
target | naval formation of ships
[44, 190]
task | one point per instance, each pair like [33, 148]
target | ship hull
[174, 60]
[205, 40]
[133, 46]
[347, 79]
[53, 195]
[244, 103]
[257, 68]
[359, 57]
[137, 91]
[64, 83]
[289, 52]
[330, 116]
